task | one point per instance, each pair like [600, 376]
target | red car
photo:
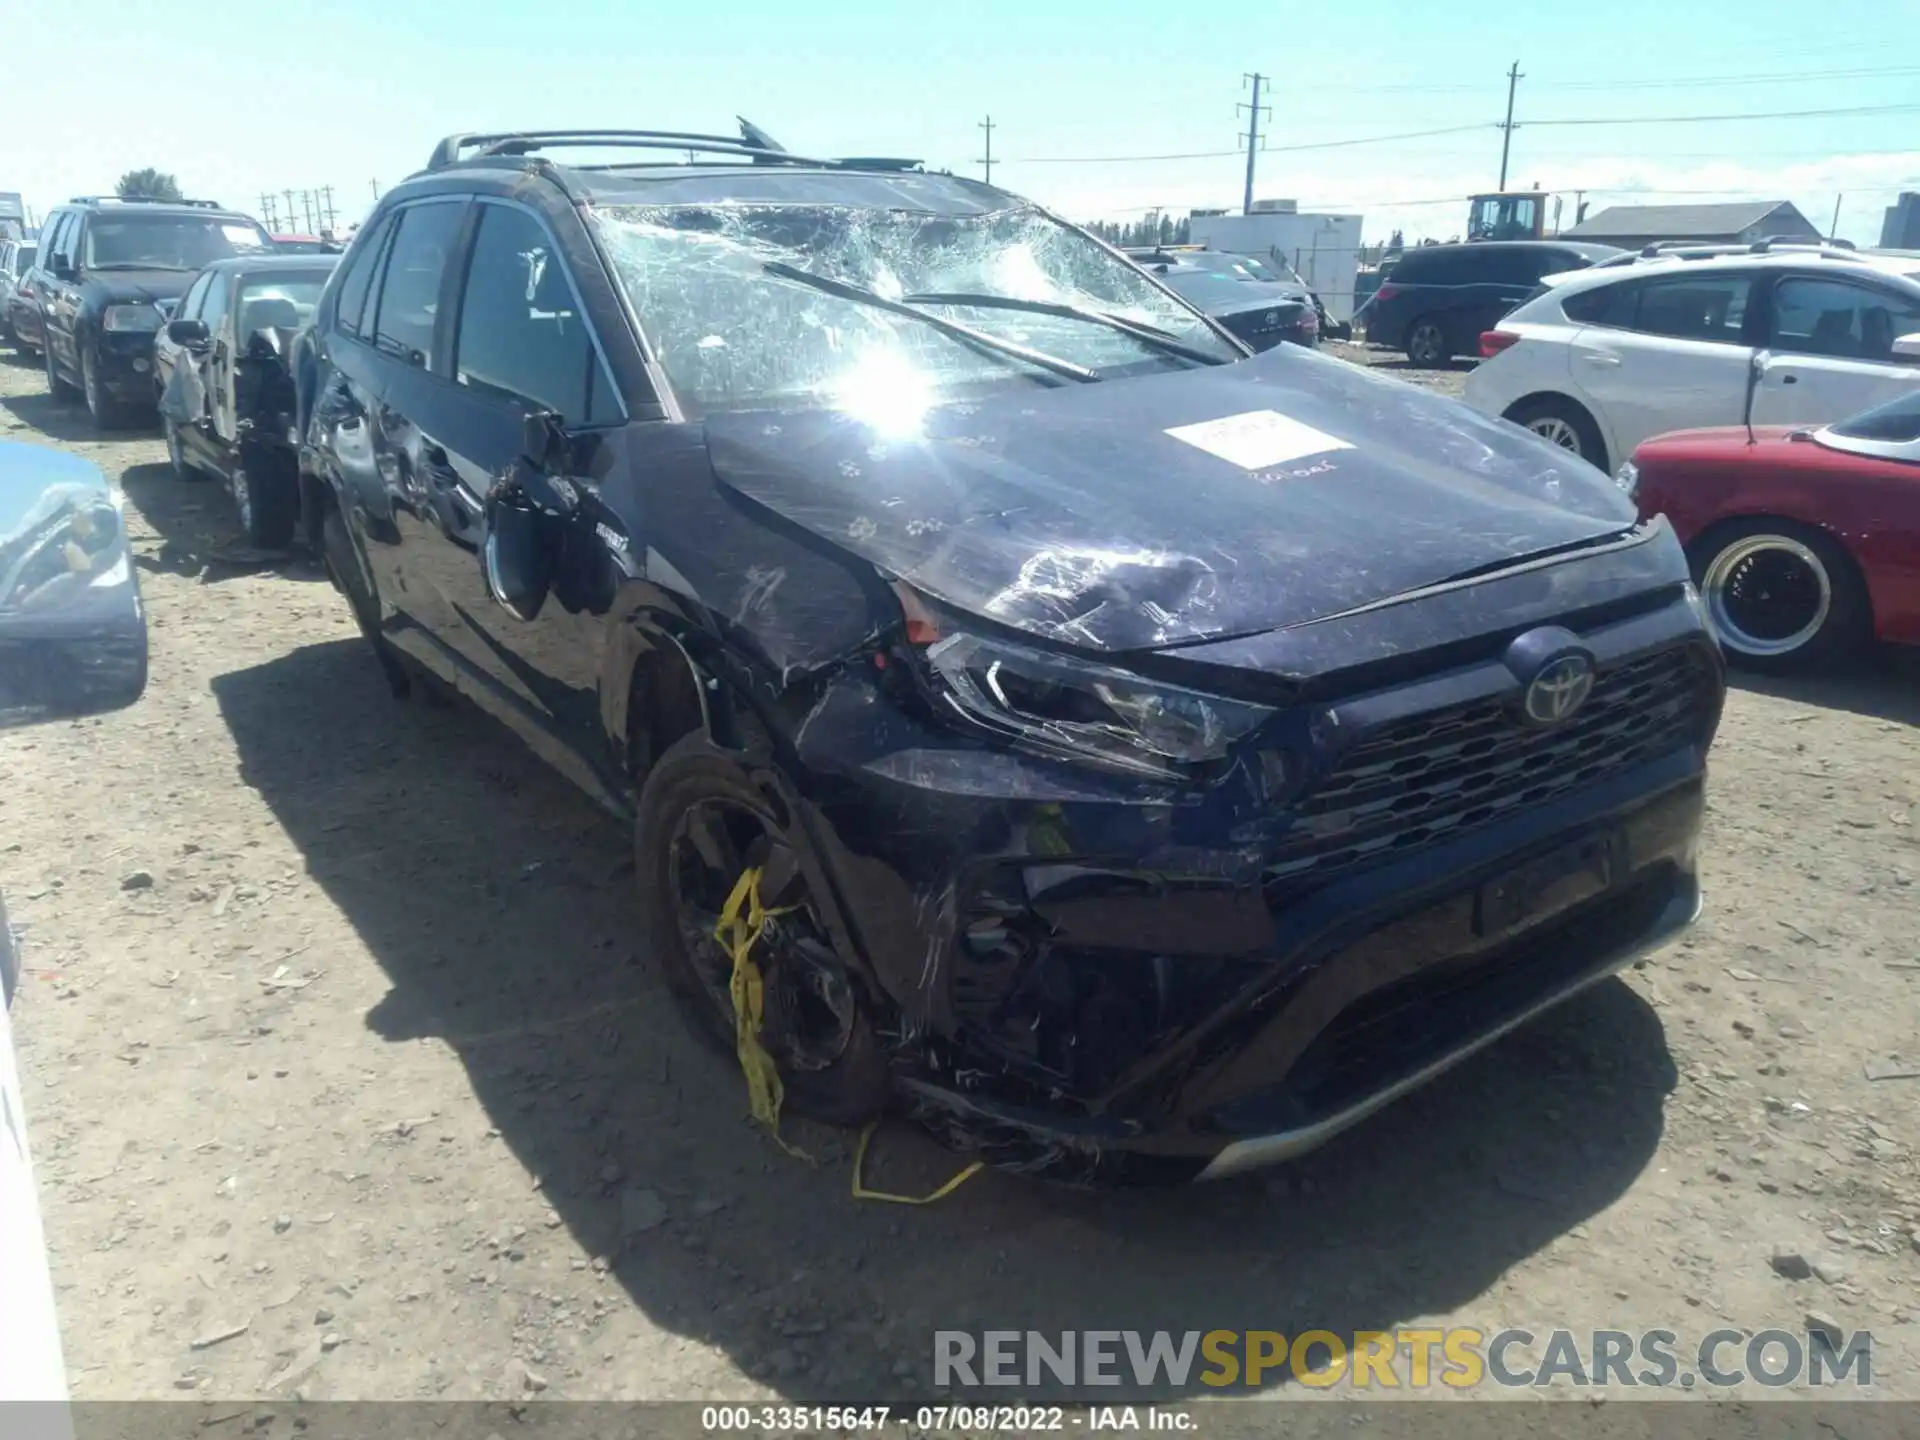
[1804, 542]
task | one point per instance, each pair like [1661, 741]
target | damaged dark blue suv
[1150, 758]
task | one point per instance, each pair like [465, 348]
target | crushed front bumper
[1097, 979]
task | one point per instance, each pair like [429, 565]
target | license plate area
[1546, 885]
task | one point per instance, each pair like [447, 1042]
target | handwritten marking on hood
[1257, 439]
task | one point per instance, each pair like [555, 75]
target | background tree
[148, 184]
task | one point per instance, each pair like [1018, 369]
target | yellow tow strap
[861, 1192]
[749, 993]
[765, 1094]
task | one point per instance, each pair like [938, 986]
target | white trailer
[1324, 249]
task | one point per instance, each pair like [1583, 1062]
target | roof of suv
[108, 203]
[1898, 266]
[754, 168]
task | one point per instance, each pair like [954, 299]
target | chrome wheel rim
[1556, 431]
[1767, 595]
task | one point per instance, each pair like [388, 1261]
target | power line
[1269, 149]
[1743, 115]
[1774, 78]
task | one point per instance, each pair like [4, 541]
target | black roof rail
[143, 200]
[453, 149]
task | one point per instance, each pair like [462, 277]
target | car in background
[1775, 334]
[225, 394]
[1804, 541]
[1155, 757]
[306, 245]
[73, 643]
[16, 259]
[1440, 297]
[1266, 308]
[26, 321]
[109, 271]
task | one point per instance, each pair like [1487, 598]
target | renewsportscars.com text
[1461, 1358]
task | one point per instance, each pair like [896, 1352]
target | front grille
[1435, 776]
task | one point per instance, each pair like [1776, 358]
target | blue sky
[240, 99]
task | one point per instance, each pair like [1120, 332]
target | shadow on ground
[63, 420]
[199, 529]
[497, 902]
[1884, 683]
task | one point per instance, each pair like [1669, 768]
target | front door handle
[1789, 379]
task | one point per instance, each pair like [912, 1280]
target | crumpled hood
[1097, 516]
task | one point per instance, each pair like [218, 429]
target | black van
[1440, 297]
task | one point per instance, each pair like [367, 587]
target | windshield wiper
[966, 334]
[1149, 335]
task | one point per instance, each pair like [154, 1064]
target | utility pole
[1254, 111]
[376, 190]
[1833, 230]
[1514, 77]
[291, 212]
[987, 160]
[327, 190]
[266, 211]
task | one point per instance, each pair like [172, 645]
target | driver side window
[195, 297]
[213, 311]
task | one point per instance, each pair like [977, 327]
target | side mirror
[73, 634]
[1907, 347]
[60, 268]
[543, 438]
[187, 332]
[518, 555]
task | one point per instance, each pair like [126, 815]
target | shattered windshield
[733, 336]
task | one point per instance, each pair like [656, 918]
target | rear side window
[57, 237]
[1418, 267]
[1694, 307]
[1602, 305]
[359, 277]
[410, 286]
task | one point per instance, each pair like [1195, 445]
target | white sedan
[1602, 359]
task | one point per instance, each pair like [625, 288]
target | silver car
[16, 258]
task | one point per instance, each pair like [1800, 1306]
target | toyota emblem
[1559, 689]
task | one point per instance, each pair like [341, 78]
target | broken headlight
[1081, 710]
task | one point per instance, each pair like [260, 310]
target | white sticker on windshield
[241, 235]
[1257, 439]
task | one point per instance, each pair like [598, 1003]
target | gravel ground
[345, 1079]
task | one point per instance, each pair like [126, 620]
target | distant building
[1902, 230]
[1743, 222]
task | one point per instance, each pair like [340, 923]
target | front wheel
[1781, 597]
[107, 413]
[266, 491]
[57, 385]
[701, 824]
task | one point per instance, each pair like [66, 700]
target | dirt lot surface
[344, 1076]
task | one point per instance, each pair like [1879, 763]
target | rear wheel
[1562, 422]
[1427, 342]
[701, 824]
[1781, 597]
